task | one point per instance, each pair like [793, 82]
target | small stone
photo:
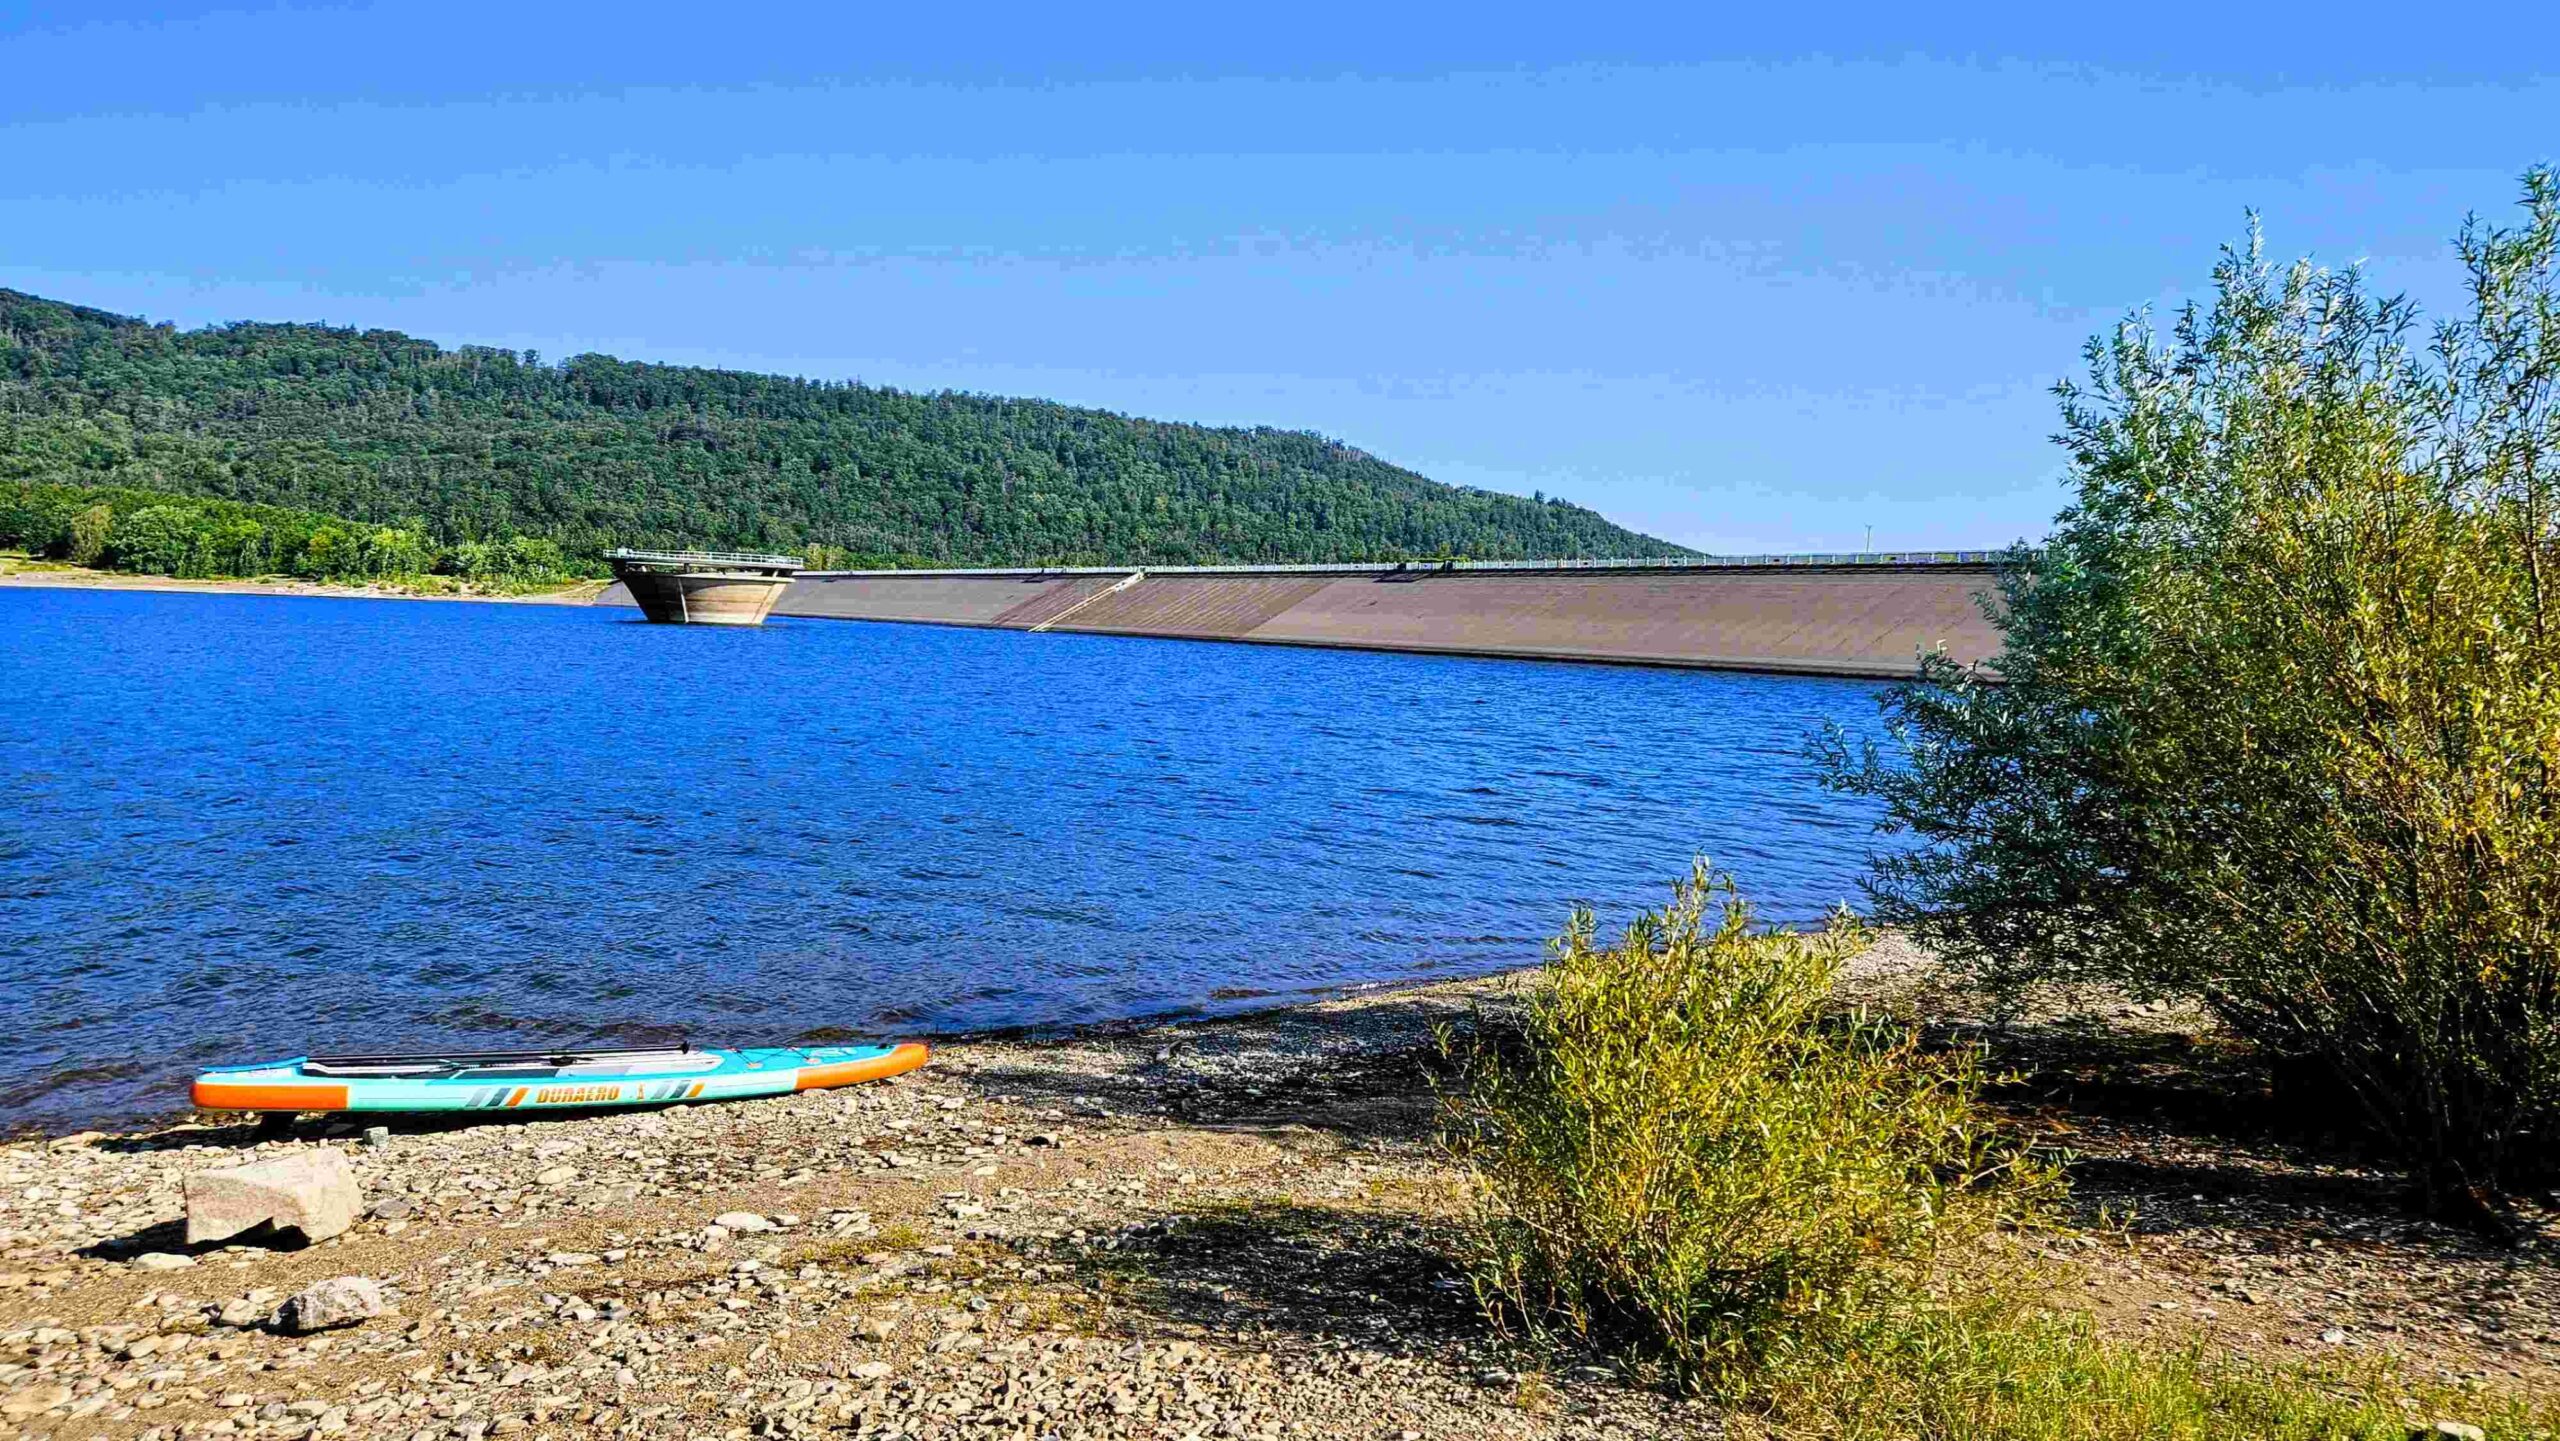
[867, 1371]
[2449, 1431]
[393, 1208]
[377, 1138]
[34, 1400]
[341, 1301]
[2334, 1336]
[556, 1176]
[250, 1310]
[313, 1193]
[162, 1261]
[741, 1221]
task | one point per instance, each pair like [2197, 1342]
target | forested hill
[481, 444]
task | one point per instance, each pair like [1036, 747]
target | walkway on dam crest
[1825, 615]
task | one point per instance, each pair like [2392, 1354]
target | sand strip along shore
[581, 593]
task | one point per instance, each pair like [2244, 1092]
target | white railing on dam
[1896, 558]
[759, 560]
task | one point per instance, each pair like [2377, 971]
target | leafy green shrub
[1688, 1155]
[2278, 724]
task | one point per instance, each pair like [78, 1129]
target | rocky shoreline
[1238, 1227]
[1224, 1229]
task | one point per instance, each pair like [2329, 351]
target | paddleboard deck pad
[535, 1080]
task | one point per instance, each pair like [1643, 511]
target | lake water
[242, 827]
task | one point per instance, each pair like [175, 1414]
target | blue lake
[241, 827]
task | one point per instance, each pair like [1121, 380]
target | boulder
[313, 1193]
[342, 1301]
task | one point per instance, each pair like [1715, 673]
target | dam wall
[1821, 615]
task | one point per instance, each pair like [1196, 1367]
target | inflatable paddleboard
[532, 1080]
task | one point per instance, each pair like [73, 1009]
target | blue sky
[1748, 282]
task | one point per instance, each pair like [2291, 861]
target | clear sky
[1750, 280]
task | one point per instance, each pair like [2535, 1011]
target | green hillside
[478, 444]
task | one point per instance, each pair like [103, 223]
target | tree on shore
[160, 533]
[2276, 725]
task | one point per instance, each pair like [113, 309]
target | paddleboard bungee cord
[522, 1080]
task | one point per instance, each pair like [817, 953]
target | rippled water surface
[239, 827]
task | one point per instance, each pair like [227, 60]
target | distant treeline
[155, 531]
[476, 443]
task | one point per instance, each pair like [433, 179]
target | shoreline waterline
[273, 828]
[581, 593]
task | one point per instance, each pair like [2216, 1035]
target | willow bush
[2278, 710]
[1686, 1153]
[1689, 1155]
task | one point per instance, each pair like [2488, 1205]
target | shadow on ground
[1367, 1077]
[1322, 1274]
[2174, 1133]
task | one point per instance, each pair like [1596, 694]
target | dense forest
[195, 536]
[478, 445]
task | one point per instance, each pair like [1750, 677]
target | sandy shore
[18, 575]
[1238, 1228]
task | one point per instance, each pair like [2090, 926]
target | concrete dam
[1849, 615]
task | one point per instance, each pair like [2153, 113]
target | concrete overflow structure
[1849, 615]
[701, 587]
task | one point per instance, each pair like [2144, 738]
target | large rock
[342, 1301]
[313, 1193]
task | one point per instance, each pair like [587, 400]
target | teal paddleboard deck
[522, 1080]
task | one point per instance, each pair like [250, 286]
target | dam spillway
[700, 587]
[1850, 615]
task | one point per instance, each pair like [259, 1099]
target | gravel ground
[1233, 1228]
[2210, 1207]
[1229, 1229]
